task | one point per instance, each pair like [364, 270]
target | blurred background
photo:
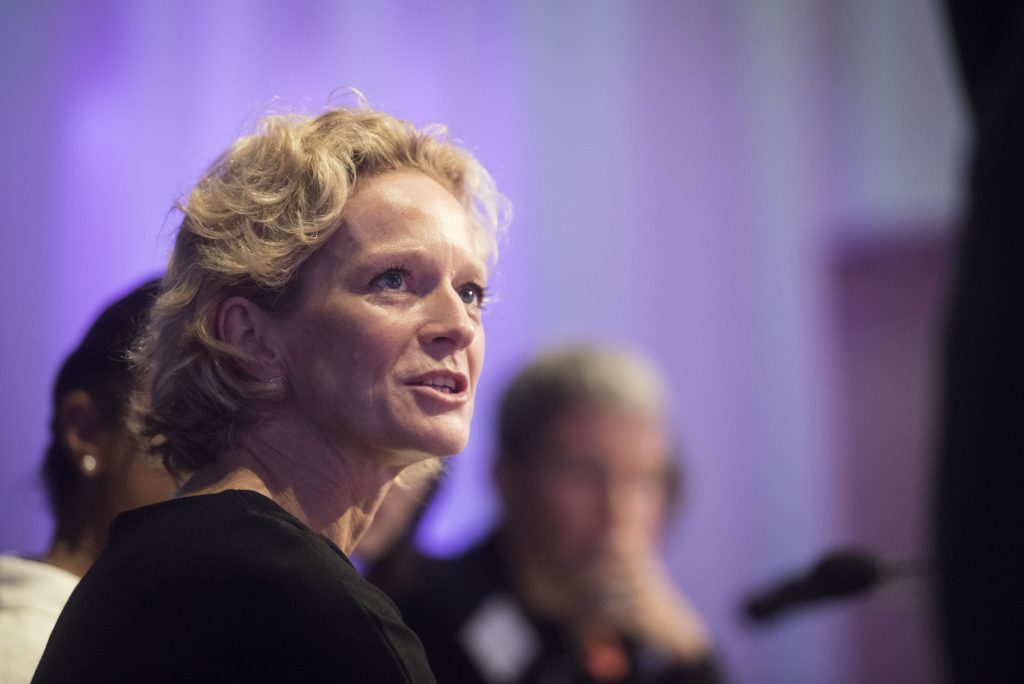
[762, 195]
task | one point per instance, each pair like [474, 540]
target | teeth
[446, 385]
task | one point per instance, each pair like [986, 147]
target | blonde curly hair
[263, 208]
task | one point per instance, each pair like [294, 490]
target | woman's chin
[445, 450]
[446, 440]
[434, 447]
[424, 471]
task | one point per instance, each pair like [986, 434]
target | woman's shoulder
[252, 571]
[235, 527]
[233, 515]
[242, 543]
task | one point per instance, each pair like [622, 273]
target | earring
[89, 464]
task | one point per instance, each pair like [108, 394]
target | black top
[475, 629]
[227, 587]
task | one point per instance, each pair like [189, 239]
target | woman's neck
[75, 558]
[334, 492]
[81, 531]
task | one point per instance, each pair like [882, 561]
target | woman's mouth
[444, 382]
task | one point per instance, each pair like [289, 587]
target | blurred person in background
[318, 336]
[93, 470]
[981, 459]
[571, 587]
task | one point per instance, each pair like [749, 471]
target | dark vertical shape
[981, 488]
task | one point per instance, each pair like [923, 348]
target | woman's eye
[472, 294]
[393, 279]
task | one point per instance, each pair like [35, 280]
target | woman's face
[385, 349]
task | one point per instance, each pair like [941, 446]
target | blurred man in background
[571, 586]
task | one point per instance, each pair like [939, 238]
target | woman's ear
[80, 427]
[246, 327]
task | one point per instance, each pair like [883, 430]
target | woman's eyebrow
[378, 256]
[374, 253]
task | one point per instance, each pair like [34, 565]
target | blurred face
[596, 486]
[385, 349]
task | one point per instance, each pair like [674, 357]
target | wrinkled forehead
[408, 210]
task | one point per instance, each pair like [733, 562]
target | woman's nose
[448, 320]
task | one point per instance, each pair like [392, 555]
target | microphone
[842, 573]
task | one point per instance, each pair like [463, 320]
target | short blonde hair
[264, 207]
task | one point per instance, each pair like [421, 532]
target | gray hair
[570, 378]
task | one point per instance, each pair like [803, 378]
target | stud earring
[89, 464]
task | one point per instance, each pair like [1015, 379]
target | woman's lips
[443, 382]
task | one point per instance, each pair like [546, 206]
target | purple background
[759, 194]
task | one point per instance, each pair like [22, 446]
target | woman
[318, 334]
[92, 471]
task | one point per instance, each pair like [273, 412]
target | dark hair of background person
[100, 367]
